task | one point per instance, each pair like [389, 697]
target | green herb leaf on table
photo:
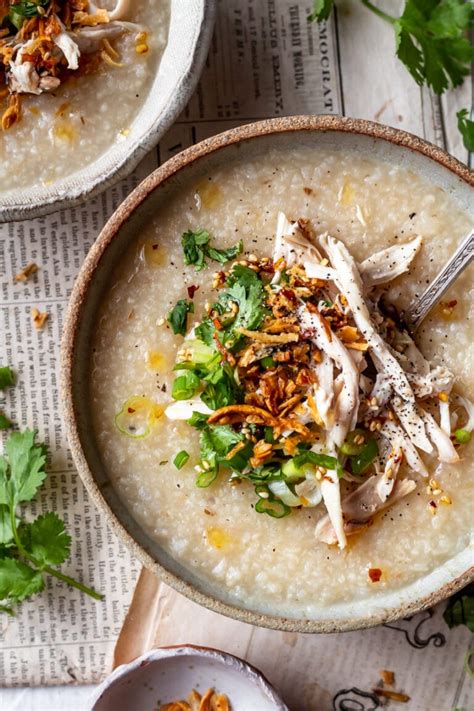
[18, 580]
[321, 10]
[178, 316]
[46, 539]
[24, 473]
[460, 609]
[7, 377]
[431, 42]
[28, 550]
[5, 423]
[196, 248]
[466, 128]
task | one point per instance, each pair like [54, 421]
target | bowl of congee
[86, 89]
[244, 400]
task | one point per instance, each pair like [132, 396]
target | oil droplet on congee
[217, 537]
[153, 254]
[156, 361]
[208, 194]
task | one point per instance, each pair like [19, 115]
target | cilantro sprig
[431, 41]
[28, 549]
[196, 247]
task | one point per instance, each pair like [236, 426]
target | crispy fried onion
[270, 338]
[351, 338]
[233, 414]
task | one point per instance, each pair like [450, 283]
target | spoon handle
[441, 283]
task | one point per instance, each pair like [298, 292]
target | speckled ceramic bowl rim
[173, 650]
[103, 178]
[76, 305]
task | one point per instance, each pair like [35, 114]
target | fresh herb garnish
[25, 9]
[466, 128]
[362, 461]
[178, 316]
[196, 248]
[185, 386]
[460, 609]
[7, 377]
[5, 423]
[181, 458]
[273, 507]
[431, 41]
[28, 549]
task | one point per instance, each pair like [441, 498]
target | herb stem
[377, 11]
[46, 568]
[73, 583]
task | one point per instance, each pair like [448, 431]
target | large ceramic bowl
[190, 31]
[337, 133]
[170, 673]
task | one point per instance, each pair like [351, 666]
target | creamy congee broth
[56, 124]
[402, 438]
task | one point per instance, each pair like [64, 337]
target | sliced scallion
[272, 507]
[181, 458]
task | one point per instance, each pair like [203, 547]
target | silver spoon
[461, 258]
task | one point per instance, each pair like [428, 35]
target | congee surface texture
[278, 564]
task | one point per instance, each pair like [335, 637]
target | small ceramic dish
[337, 133]
[170, 673]
[189, 36]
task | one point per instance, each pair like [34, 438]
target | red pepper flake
[130, 410]
[375, 574]
[154, 246]
[192, 290]
[217, 324]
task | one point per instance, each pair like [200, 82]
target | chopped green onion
[185, 386]
[268, 362]
[462, 436]
[137, 416]
[206, 478]
[178, 316]
[319, 460]
[361, 462]
[5, 423]
[262, 491]
[273, 507]
[181, 458]
[349, 447]
[6, 377]
[269, 435]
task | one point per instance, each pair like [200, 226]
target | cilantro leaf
[6, 377]
[46, 540]
[18, 580]
[5, 423]
[25, 470]
[177, 317]
[6, 531]
[466, 128]
[193, 247]
[460, 609]
[196, 248]
[225, 255]
[431, 42]
[321, 10]
[198, 420]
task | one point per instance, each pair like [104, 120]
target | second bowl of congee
[252, 404]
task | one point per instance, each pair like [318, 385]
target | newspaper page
[318, 672]
[265, 60]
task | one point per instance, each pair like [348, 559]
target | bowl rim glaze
[171, 651]
[248, 132]
[32, 202]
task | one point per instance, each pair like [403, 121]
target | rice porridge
[220, 532]
[64, 129]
